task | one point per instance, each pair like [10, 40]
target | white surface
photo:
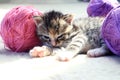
[19, 66]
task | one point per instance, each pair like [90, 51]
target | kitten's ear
[38, 19]
[68, 18]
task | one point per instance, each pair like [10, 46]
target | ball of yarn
[101, 7]
[111, 30]
[18, 29]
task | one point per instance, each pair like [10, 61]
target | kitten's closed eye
[61, 37]
[46, 38]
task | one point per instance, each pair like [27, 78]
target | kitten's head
[53, 28]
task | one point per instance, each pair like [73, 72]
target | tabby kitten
[66, 38]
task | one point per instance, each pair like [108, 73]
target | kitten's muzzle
[53, 42]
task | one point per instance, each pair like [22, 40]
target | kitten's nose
[53, 43]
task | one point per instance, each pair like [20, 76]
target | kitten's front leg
[73, 48]
[40, 51]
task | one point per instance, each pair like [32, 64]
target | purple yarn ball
[101, 7]
[110, 30]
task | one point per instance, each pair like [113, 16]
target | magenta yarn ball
[111, 30]
[18, 29]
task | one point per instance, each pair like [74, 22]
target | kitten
[66, 38]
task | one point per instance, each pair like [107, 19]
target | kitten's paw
[96, 52]
[39, 51]
[64, 56]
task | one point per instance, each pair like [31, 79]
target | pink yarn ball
[18, 29]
